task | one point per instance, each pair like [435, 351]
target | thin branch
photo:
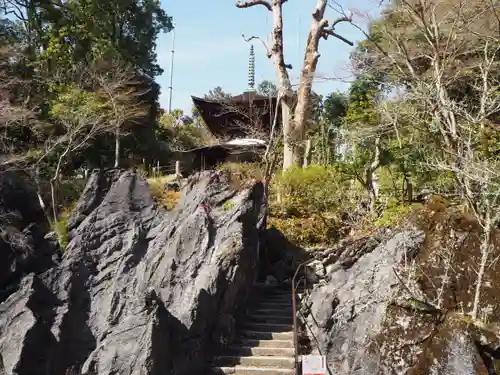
[335, 35]
[249, 4]
[268, 51]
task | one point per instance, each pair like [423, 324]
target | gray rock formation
[372, 316]
[23, 248]
[138, 290]
[351, 307]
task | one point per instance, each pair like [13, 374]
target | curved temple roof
[239, 116]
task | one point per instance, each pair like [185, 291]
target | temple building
[241, 124]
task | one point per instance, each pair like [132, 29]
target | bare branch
[268, 51]
[335, 35]
[249, 4]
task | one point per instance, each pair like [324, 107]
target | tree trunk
[485, 252]
[372, 184]
[285, 87]
[294, 129]
[372, 188]
[408, 189]
[307, 74]
[307, 154]
[53, 198]
[117, 147]
[288, 151]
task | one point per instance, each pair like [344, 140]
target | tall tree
[367, 134]
[446, 55]
[294, 128]
[328, 132]
[267, 88]
[57, 36]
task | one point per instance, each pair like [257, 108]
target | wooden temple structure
[242, 124]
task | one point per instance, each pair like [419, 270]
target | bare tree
[120, 93]
[12, 114]
[294, 127]
[80, 114]
[459, 45]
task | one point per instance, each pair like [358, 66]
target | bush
[240, 173]
[312, 204]
[316, 189]
[60, 227]
[69, 191]
[305, 231]
[166, 198]
[395, 213]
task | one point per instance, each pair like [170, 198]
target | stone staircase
[264, 344]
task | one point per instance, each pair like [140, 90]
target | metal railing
[295, 284]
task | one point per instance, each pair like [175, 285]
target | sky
[210, 50]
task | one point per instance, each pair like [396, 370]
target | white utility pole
[171, 71]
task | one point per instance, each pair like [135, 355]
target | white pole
[171, 71]
[178, 168]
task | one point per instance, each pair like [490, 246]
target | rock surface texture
[23, 248]
[400, 303]
[138, 290]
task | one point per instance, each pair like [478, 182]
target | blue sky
[210, 50]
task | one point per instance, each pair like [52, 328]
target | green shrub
[228, 205]
[305, 231]
[308, 204]
[69, 191]
[316, 189]
[395, 213]
[60, 227]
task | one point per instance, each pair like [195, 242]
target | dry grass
[240, 174]
[164, 197]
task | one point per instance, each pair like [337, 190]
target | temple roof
[239, 117]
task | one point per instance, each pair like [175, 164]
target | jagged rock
[139, 290]
[351, 307]
[400, 307]
[23, 248]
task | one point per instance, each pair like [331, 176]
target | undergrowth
[395, 214]
[60, 227]
[239, 174]
[164, 197]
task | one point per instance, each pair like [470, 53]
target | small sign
[313, 365]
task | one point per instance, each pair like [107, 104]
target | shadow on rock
[139, 290]
[23, 225]
[280, 257]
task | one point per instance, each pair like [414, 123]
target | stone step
[270, 318]
[270, 292]
[255, 343]
[277, 287]
[280, 297]
[275, 304]
[260, 335]
[243, 370]
[273, 311]
[267, 327]
[261, 351]
[256, 361]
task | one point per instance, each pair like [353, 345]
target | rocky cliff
[23, 225]
[400, 302]
[138, 290]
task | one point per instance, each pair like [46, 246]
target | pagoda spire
[251, 70]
